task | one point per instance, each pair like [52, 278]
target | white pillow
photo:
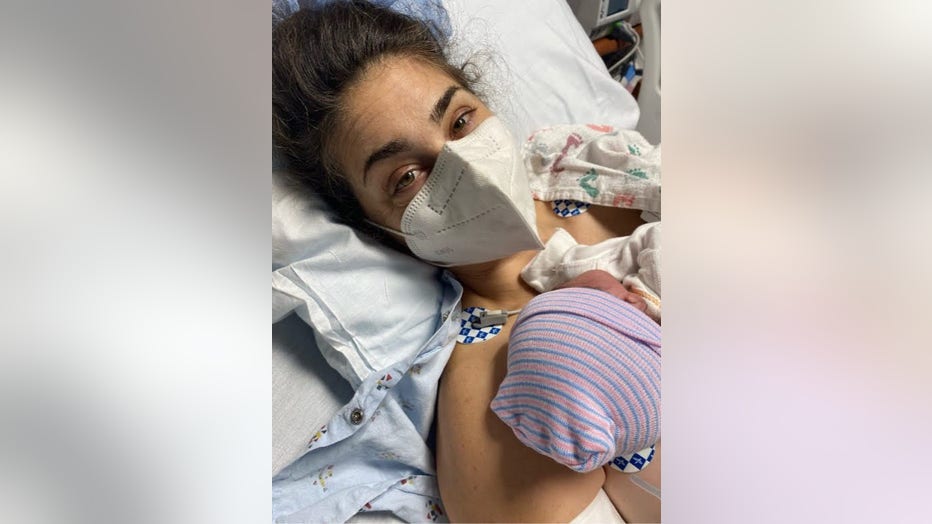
[538, 64]
[371, 306]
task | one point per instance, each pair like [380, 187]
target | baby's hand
[604, 281]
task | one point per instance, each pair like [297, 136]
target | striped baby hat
[583, 379]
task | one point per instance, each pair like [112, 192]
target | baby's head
[583, 380]
[604, 281]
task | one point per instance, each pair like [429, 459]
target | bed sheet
[539, 67]
[306, 392]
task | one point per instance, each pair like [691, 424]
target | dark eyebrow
[391, 148]
[441, 106]
[400, 146]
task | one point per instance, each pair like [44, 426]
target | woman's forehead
[394, 97]
[402, 85]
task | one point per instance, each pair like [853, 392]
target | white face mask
[476, 205]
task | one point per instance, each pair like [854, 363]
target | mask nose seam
[496, 147]
[423, 193]
[459, 178]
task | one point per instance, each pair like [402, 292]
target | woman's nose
[434, 144]
[429, 148]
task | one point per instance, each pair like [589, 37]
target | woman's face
[397, 119]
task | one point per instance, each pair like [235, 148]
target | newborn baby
[583, 380]
[634, 260]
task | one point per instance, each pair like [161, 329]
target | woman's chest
[596, 224]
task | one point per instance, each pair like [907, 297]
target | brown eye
[406, 180]
[459, 125]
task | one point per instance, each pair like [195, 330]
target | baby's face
[604, 281]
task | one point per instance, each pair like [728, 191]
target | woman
[364, 104]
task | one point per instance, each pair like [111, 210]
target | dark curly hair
[317, 55]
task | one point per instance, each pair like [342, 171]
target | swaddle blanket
[595, 164]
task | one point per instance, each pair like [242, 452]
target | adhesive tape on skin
[471, 335]
[569, 208]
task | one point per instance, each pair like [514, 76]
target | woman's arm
[485, 474]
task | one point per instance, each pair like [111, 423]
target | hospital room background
[545, 62]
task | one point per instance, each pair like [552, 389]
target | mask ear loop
[406, 236]
[390, 230]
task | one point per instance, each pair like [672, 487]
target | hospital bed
[540, 69]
